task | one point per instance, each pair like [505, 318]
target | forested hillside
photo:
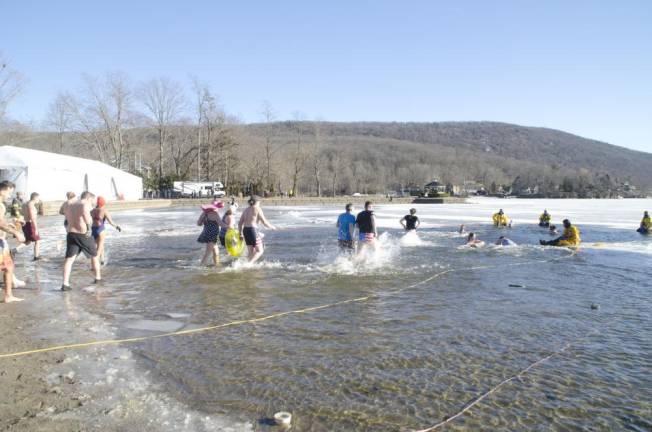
[326, 158]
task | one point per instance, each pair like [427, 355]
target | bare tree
[317, 157]
[60, 118]
[202, 99]
[101, 114]
[164, 101]
[12, 83]
[269, 115]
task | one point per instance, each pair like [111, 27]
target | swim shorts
[345, 244]
[251, 236]
[29, 230]
[77, 243]
[368, 238]
[6, 263]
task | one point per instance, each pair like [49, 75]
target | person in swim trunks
[367, 232]
[30, 228]
[346, 225]
[101, 217]
[6, 262]
[70, 198]
[79, 238]
[248, 227]
[410, 222]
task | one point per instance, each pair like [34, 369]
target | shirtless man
[70, 198]
[30, 229]
[6, 262]
[248, 227]
[78, 239]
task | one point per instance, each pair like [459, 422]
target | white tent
[52, 175]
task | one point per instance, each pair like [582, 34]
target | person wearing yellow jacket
[570, 237]
[646, 224]
[500, 219]
[544, 219]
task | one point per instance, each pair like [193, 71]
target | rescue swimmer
[646, 224]
[544, 219]
[569, 238]
[500, 219]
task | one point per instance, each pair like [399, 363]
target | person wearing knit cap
[101, 217]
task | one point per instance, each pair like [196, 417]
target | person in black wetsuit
[366, 223]
[410, 222]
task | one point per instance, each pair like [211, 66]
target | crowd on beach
[86, 217]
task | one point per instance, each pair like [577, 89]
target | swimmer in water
[570, 237]
[504, 241]
[248, 227]
[410, 222]
[462, 229]
[552, 230]
[473, 241]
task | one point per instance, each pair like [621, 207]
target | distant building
[53, 174]
[434, 188]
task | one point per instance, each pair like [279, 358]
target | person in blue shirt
[504, 241]
[345, 224]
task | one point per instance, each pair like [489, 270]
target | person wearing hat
[410, 222]
[212, 222]
[500, 219]
[248, 226]
[100, 216]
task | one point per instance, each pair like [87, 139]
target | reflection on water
[406, 358]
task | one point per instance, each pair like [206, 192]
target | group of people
[216, 228]
[85, 220]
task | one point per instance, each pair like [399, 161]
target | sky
[584, 67]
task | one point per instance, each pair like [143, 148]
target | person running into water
[368, 234]
[30, 228]
[544, 219]
[228, 221]
[410, 222]
[101, 216]
[346, 225]
[570, 237]
[504, 241]
[6, 261]
[646, 224]
[248, 227]
[79, 238]
[473, 241]
[500, 219]
[70, 198]
[211, 221]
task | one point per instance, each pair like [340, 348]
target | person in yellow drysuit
[570, 237]
[646, 224]
[544, 219]
[500, 219]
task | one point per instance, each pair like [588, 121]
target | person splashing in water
[345, 226]
[368, 234]
[410, 222]
[473, 241]
[504, 241]
[248, 226]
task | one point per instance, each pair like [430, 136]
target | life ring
[233, 243]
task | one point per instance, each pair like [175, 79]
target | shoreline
[52, 208]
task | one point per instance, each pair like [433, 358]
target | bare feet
[13, 299]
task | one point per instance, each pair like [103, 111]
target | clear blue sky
[580, 66]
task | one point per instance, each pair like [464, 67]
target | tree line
[165, 130]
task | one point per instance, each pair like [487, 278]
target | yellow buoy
[234, 244]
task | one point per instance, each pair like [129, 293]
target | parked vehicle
[186, 189]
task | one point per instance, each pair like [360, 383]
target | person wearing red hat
[101, 216]
[212, 222]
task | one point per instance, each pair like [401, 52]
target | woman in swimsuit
[211, 221]
[100, 217]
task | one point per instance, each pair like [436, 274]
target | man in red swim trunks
[30, 229]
